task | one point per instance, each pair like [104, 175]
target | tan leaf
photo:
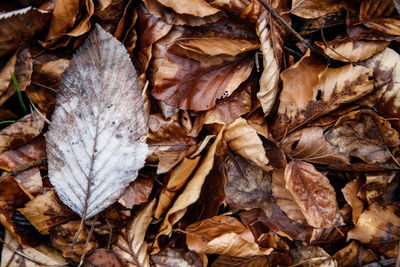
[284, 198]
[89, 139]
[46, 211]
[248, 10]
[137, 192]
[363, 134]
[173, 257]
[246, 185]
[19, 26]
[102, 257]
[302, 102]
[30, 179]
[350, 194]
[349, 50]
[198, 8]
[386, 96]
[313, 193]
[176, 182]
[184, 85]
[43, 254]
[131, 245]
[347, 256]
[223, 235]
[6, 90]
[309, 144]
[63, 235]
[271, 36]
[311, 9]
[377, 224]
[312, 256]
[375, 8]
[190, 193]
[20, 132]
[243, 140]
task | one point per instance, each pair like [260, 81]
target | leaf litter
[198, 133]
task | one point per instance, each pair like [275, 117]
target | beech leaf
[94, 144]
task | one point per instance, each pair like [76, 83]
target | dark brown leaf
[103, 258]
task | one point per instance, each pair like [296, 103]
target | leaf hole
[319, 93]
[294, 145]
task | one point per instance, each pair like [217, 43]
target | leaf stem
[7, 121]
[18, 89]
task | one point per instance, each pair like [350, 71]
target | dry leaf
[313, 193]
[246, 185]
[378, 187]
[63, 235]
[190, 193]
[243, 140]
[284, 198]
[377, 224]
[177, 180]
[19, 26]
[42, 254]
[137, 192]
[375, 8]
[96, 127]
[223, 235]
[309, 144]
[20, 132]
[175, 257]
[5, 79]
[272, 36]
[255, 261]
[350, 194]
[319, 92]
[349, 50]
[131, 245]
[46, 211]
[30, 178]
[102, 257]
[184, 85]
[347, 256]
[311, 9]
[197, 8]
[363, 134]
[312, 256]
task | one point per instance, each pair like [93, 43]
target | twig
[88, 240]
[24, 167]
[287, 26]
[29, 258]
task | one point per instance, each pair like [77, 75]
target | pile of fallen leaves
[272, 132]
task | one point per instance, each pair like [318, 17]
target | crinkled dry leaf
[19, 26]
[377, 224]
[190, 193]
[350, 194]
[131, 245]
[43, 254]
[243, 140]
[309, 144]
[96, 127]
[187, 80]
[137, 192]
[311, 9]
[319, 92]
[349, 50]
[284, 198]
[63, 235]
[175, 183]
[365, 135]
[20, 132]
[313, 193]
[271, 35]
[30, 179]
[223, 235]
[102, 257]
[246, 185]
[312, 256]
[46, 211]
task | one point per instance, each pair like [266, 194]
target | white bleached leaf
[94, 145]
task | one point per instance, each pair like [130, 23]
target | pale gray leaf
[94, 142]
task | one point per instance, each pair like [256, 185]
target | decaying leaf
[309, 144]
[46, 211]
[312, 256]
[43, 254]
[321, 91]
[94, 137]
[131, 245]
[18, 26]
[20, 132]
[63, 235]
[175, 257]
[377, 224]
[223, 235]
[313, 193]
[243, 140]
[347, 256]
[102, 257]
[365, 135]
[137, 192]
[310, 9]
